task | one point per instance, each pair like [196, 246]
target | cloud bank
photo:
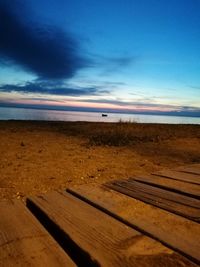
[47, 52]
[52, 88]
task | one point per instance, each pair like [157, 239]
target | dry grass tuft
[115, 134]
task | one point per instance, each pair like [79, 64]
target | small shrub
[120, 134]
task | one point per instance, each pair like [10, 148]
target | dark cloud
[49, 87]
[108, 65]
[43, 99]
[115, 64]
[47, 52]
[123, 103]
[112, 85]
[108, 101]
[123, 61]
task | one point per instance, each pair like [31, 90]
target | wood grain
[24, 242]
[191, 190]
[180, 176]
[195, 169]
[174, 231]
[173, 202]
[107, 241]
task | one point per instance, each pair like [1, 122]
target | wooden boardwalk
[92, 225]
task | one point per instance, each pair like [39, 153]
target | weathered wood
[195, 169]
[180, 176]
[107, 241]
[174, 231]
[166, 194]
[158, 197]
[24, 242]
[191, 190]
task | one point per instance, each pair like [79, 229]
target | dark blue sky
[131, 54]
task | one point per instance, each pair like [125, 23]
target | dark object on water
[104, 115]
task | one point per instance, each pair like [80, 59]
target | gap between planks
[23, 240]
[121, 208]
[106, 241]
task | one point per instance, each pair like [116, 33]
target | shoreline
[94, 110]
[34, 114]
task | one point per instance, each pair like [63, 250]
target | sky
[109, 55]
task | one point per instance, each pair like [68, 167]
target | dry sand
[40, 156]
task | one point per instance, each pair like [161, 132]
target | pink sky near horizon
[84, 104]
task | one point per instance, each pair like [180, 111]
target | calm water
[55, 115]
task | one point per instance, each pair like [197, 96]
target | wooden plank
[176, 232]
[167, 195]
[186, 207]
[107, 241]
[180, 176]
[24, 242]
[195, 169]
[191, 190]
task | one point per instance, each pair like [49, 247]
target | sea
[8, 113]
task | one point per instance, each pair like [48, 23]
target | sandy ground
[36, 157]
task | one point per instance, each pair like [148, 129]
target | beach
[37, 157]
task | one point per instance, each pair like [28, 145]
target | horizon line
[192, 114]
